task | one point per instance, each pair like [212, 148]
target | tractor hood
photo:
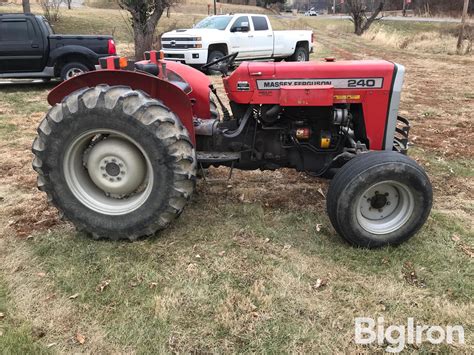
[254, 82]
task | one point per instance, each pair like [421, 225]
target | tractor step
[217, 157]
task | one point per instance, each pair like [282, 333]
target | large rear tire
[115, 162]
[379, 199]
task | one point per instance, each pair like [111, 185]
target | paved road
[387, 18]
[74, 3]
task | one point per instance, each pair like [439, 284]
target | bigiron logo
[349, 83]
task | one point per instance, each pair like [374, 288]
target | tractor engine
[270, 136]
[308, 117]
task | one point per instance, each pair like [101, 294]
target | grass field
[252, 265]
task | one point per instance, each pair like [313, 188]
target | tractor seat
[151, 68]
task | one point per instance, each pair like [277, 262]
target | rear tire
[115, 162]
[71, 70]
[379, 199]
[301, 55]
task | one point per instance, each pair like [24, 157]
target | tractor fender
[173, 97]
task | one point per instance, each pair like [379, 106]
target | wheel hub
[112, 169]
[384, 207]
[116, 167]
[378, 201]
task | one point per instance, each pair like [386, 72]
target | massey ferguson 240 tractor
[119, 151]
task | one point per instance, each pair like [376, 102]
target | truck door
[241, 37]
[262, 38]
[21, 46]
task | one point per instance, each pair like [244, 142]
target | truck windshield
[214, 22]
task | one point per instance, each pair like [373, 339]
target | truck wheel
[70, 70]
[115, 162]
[301, 55]
[214, 55]
[379, 199]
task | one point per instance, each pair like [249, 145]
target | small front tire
[379, 199]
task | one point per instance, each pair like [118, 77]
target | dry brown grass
[252, 265]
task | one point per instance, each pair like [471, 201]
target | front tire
[379, 199]
[214, 55]
[115, 162]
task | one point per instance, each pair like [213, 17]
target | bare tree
[68, 3]
[26, 6]
[51, 9]
[358, 11]
[145, 17]
[463, 25]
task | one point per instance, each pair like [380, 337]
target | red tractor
[119, 151]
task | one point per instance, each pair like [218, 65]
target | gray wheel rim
[385, 207]
[73, 72]
[112, 175]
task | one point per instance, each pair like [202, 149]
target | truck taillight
[111, 47]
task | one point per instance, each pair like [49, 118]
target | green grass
[228, 276]
[24, 99]
[15, 337]
[244, 283]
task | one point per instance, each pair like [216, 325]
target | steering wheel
[223, 68]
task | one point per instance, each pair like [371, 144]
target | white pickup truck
[250, 35]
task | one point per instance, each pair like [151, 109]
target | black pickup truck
[30, 49]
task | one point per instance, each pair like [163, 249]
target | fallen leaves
[320, 283]
[320, 190]
[81, 339]
[466, 249]
[410, 276]
[102, 286]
